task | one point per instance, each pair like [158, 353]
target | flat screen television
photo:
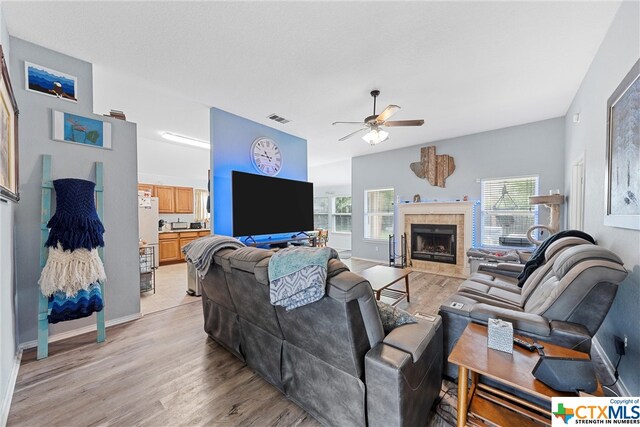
[267, 205]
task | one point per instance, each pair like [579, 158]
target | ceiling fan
[375, 122]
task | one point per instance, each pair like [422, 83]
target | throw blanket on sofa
[200, 252]
[298, 275]
[537, 258]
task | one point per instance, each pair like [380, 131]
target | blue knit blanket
[200, 252]
[298, 275]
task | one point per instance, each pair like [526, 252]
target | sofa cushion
[245, 259]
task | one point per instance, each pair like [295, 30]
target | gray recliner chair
[566, 308]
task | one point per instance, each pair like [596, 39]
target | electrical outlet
[377, 249]
[625, 342]
[620, 344]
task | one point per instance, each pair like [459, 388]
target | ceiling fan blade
[352, 133]
[347, 123]
[404, 123]
[388, 112]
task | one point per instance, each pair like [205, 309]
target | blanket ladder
[43, 305]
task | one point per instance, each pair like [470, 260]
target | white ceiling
[464, 67]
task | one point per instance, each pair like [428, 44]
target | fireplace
[434, 242]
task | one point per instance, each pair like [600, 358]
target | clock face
[266, 156]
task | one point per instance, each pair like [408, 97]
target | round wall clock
[266, 156]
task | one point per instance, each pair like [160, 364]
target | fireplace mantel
[438, 210]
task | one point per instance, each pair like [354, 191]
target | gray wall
[618, 52]
[8, 343]
[530, 149]
[122, 296]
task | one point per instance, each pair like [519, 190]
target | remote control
[524, 344]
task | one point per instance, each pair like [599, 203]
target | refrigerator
[148, 218]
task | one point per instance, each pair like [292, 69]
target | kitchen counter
[186, 230]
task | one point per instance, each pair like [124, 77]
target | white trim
[377, 261]
[13, 377]
[75, 332]
[620, 386]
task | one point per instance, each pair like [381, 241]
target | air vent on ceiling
[278, 119]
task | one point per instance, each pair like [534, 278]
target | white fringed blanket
[70, 271]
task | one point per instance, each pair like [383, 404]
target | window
[200, 204]
[506, 214]
[378, 214]
[321, 213]
[342, 214]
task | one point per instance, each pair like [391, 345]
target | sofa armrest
[522, 321]
[402, 384]
[411, 338]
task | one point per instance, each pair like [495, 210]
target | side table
[488, 405]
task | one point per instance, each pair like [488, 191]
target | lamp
[186, 140]
[376, 136]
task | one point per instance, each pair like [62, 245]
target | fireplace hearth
[433, 242]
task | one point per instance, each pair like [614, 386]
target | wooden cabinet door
[146, 187]
[183, 199]
[166, 203]
[169, 250]
[184, 241]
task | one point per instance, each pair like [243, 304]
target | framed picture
[622, 201]
[50, 82]
[8, 136]
[76, 129]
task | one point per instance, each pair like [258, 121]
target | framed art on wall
[76, 129]
[50, 82]
[8, 136]
[622, 201]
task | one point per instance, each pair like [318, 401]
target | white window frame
[334, 214]
[327, 213]
[536, 210]
[368, 214]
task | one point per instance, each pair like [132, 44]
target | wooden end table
[488, 405]
[382, 277]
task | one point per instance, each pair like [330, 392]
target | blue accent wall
[231, 139]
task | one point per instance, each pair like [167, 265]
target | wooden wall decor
[435, 168]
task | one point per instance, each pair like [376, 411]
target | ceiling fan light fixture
[376, 136]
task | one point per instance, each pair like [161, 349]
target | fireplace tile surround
[459, 214]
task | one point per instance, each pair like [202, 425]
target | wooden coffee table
[382, 277]
[488, 405]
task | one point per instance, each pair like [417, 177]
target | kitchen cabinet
[169, 246]
[170, 199]
[183, 199]
[146, 187]
[166, 198]
[185, 238]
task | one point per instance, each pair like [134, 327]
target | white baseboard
[80, 331]
[377, 261]
[620, 386]
[6, 401]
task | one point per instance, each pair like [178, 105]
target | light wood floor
[171, 289]
[162, 370]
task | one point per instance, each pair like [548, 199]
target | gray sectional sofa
[331, 357]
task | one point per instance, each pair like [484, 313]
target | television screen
[267, 205]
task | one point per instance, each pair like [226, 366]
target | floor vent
[278, 119]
